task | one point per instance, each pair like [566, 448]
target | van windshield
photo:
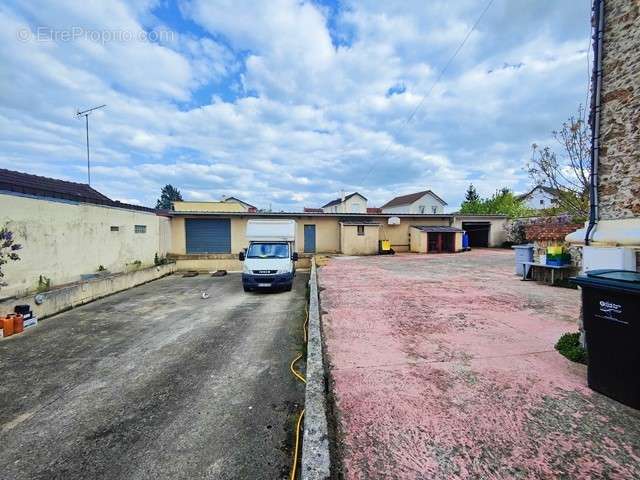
[268, 250]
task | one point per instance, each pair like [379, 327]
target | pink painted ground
[443, 366]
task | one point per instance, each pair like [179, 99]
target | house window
[421, 208]
[542, 201]
[355, 208]
[360, 230]
[140, 229]
[115, 228]
[434, 209]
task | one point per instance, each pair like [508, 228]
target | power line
[435, 83]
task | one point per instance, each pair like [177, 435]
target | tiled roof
[338, 201]
[38, 186]
[551, 191]
[410, 198]
[235, 199]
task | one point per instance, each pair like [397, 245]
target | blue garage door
[309, 239]
[208, 236]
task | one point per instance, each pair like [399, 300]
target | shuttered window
[208, 235]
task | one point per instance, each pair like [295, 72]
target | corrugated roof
[437, 229]
[28, 184]
[360, 222]
[410, 198]
[338, 200]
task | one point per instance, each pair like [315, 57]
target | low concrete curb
[316, 464]
[60, 299]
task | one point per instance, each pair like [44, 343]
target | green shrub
[569, 346]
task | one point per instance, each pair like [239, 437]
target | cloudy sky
[286, 102]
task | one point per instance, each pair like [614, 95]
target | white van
[269, 260]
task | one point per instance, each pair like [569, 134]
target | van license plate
[264, 284]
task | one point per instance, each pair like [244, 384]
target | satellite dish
[394, 221]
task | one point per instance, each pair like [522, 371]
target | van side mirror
[294, 257]
[241, 256]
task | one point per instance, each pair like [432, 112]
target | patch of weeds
[44, 284]
[569, 346]
[159, 260]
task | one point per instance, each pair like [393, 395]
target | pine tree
[472, 195]
[168, 194]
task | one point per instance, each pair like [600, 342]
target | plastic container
[18, 323]
[555, 250]
[524, 253]
[7, 326]
[22, 309]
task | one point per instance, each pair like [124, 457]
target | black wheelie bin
[611, 314]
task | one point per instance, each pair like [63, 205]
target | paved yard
[443, 367]
[155, 383]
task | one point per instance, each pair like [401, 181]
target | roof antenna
[86, 114]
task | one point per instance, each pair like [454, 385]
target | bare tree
[566, 173]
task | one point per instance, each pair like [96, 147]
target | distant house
[247, 206]
[540, 197]
[425, 202]
[313, 210]
[227, 204]
[352, 203]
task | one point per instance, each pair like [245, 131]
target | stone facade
[619, 166]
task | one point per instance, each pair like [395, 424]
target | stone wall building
[618, 222]
[619, 168]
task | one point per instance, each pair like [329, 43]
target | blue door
[309, 239]
[208, 235]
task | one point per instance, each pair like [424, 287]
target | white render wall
[63, 240]
[539, 199]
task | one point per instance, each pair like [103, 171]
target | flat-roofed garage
[478, 232]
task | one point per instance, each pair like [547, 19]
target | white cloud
[313, 115]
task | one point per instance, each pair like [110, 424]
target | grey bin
[524, 253]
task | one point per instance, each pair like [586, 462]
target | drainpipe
[594, 117]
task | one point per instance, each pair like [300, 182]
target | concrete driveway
[443, 367]
[155, 383]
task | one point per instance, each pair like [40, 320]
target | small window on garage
[140, 229]
[361, 230]
[115, 228]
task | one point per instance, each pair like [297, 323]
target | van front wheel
[288, 287]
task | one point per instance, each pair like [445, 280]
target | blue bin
[524, 253]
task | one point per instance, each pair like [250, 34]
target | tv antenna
[86, 114]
